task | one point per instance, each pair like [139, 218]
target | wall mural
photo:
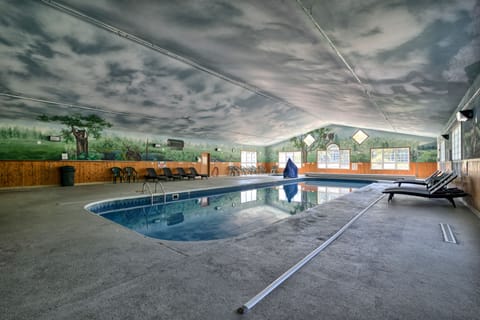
[43, 140]
[422, 149]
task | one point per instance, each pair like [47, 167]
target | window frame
[297, 158]
[333, 158]
[456, 138]
[246, 158]
[386, 155]
[443, 151]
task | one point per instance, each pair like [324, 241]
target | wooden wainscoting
[418, 169]
[470, 181]
[43, 173]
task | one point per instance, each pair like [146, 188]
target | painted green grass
[30, 149]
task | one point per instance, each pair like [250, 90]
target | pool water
[229, 214]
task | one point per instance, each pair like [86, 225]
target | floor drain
[447, 232]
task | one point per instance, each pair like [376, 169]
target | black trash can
[67, 175]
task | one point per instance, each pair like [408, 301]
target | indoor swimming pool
[210, 216]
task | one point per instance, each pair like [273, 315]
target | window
[456, 143]
[390, 159]
[283, 157]
[249, 159]
[442, 151]
[333, 158]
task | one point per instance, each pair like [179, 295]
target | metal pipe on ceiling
[75, 13]
[345, 63]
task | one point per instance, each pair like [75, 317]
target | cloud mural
[249, 72]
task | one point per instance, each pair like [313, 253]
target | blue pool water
[222, 215]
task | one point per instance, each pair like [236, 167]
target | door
[205, 163]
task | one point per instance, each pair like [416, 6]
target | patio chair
[437, 191]
[231, 171]
[168, 173]
[184, 174]
[130, 174]
[117, 173]
[238, 171]
[430, 180]
[193, 171]
[152, 175]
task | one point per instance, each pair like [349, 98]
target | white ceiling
[250, 72]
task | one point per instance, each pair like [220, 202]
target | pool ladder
[146, 185]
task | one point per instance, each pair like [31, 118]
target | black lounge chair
[430, 180]
[437, 191]
[194, 172]
[183, 174]
[168, 173]
[152, 175]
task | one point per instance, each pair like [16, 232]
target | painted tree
[80, 128]
[322, 137]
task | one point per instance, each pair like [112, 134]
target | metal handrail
[146, 185]
[163, 191]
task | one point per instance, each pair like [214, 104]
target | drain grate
[447, 232]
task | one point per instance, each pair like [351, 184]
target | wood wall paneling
[24, 173]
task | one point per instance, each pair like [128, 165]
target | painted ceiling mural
[248, 72]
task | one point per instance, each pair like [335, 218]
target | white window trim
[381, 165]
[248, 158]
[283, 157]
[442, 151]
[457, 143]
[324, 157]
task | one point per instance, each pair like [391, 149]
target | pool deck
[58, 261]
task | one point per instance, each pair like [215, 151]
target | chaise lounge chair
[430, 180]
[183, 174]
[152, 175]
[193, 171]
[168, 173]
[437, 191]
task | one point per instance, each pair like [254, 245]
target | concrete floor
[58, 261]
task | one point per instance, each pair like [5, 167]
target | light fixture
[464, 115]
[445, 136]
